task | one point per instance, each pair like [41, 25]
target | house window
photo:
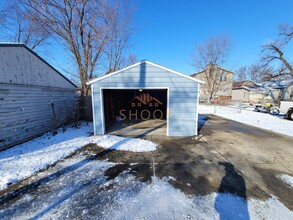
[225, 77]
[221, 78]
[156, 105]
[139, 104]
[150, 104]
[132, 104]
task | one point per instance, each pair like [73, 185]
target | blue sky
[169, 29]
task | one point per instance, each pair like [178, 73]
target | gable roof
[239, 84]
[219, 68]
[247, 83]
[138, 64]
[11, 44]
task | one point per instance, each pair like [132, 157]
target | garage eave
[139, 63]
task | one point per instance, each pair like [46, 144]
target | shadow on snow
[231, 201]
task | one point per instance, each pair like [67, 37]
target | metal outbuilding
[34, 96]
[146, 91]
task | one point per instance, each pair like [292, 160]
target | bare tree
[259, 73]
[215, 50]
[208, 56]
[128, 60]
[120, 31]
[286, 32]
[274, 51]
[3, 14]
[255, 72]
[83, 27]
[241, 74]
[18, 26]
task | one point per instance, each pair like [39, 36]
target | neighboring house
[34, 97]
[146, 90]
[280, 89]
[222, 82]
[269, 91]
[248, 91]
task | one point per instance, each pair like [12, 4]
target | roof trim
[139, 63]
[244, 83]
[239, 88]
[12, 44]
[250, 81]
[194, 74]
[225, 70]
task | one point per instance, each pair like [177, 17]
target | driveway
[198, 165]
[227, 157]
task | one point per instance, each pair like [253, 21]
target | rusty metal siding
[28, 111]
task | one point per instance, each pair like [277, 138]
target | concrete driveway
[227, 157]
[224, 146]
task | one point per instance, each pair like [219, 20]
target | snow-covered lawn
[248, 116]
[26, 159]
[84, 192]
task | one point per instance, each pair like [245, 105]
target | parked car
[286, 107]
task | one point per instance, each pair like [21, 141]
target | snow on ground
[287, 179]
[126, 144]
[248, 116]
[26, 159]
[65, 192]
[160, 200]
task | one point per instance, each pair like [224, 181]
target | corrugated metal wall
[28, 111]
[34, 97]
[183, 96]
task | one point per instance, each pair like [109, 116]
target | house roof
[247, 85]
[276, 84]
[219, 68]
[267, 85]
[140, 63]
[238, 84]
[12, 44]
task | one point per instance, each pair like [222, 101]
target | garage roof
[139, 63]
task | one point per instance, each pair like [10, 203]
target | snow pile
[26, 159]
[287, 179]
[248, 116]
[126, 144]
